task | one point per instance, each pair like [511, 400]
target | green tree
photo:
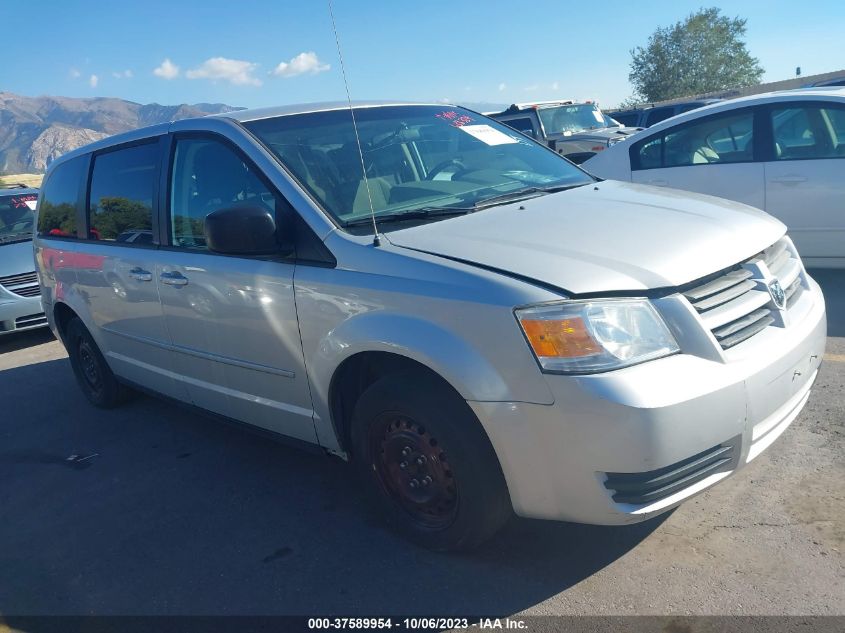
[703, 53]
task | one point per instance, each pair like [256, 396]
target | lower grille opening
[31, 320]
[651, 486]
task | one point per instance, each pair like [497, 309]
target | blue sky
[264, 52]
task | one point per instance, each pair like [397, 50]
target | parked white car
[783, 152]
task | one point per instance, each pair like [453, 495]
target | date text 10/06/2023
[414, 624]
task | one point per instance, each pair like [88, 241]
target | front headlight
[594, 335]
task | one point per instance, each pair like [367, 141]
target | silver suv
[20, 295]
[517, 336]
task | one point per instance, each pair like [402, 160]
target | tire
[93, 374]
[459, 498]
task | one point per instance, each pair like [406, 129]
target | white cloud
[93, 80]
[122, 74]
[555, 85]
[302, 64]
[502, 86]
[234, 71]
[167, 70]
[74, 73]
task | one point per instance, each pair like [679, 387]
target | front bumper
[20, 313]
[639, 423]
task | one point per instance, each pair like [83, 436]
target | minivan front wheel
[427, 464]
[93, 374]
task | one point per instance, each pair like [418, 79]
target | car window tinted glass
[17, 214]
[722, 139]
[648, 154]
[59, 199]
[207, 176]
[808, 131]
[122, 191]
[415, 156]
[521, 125]
[630, 118]
[835, 118]
[657, 115]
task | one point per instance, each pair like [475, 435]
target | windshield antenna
[376, 239]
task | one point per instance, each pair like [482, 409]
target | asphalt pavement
[154, 509]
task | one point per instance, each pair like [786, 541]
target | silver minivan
[478, 325]
[20, 295]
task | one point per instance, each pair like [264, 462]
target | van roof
[243, 116]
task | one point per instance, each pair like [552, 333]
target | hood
[603, 134]
[16, 258]
[611, 236]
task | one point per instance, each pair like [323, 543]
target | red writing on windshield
[21, 201]
[457, 120]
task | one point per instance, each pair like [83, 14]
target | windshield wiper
[17, 237]
[523, 194]
[422, 213]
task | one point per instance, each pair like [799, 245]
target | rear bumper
[660, 432]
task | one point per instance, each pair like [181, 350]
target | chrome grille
[28, 291]
[25, 284]
[736, 304]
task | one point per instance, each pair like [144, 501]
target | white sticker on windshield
[487, 134]
[31, 204]
[598, 116]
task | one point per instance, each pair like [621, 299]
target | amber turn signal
[565, 338]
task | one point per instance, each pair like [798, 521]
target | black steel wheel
[427, 465]
[93, 374]
[412, 468]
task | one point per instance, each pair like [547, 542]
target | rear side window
[809, 131]
[629, 119]
[657, 115]
[59, 199]
[123, 185]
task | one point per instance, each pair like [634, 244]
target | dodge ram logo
[777, 294]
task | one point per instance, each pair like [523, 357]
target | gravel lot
[172, 513]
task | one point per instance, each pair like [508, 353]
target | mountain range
[35, 130]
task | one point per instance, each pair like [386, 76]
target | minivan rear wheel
[426, 464]
[93, 374]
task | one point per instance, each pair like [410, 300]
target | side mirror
[246, 229]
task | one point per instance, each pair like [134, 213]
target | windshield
[16, 217]
[416, 157]
[571, 118]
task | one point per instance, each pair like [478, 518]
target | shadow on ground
[21, 340]
[163, 511]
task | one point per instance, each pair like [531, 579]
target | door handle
[790, 180]
[659, 182]
[173, 279]
[139, 274]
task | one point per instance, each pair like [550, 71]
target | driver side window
[208, 175]
[723, 138]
